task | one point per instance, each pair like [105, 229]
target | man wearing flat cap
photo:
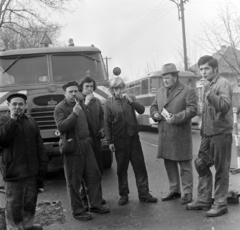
[23, 159]
[76, 146]
[173, 108]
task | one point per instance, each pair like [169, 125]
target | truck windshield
[73, 67]
[22, 70]
[25, 70]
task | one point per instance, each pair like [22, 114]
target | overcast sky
[139, 35]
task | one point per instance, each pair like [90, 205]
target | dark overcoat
[175, 140]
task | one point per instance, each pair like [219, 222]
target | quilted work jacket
[23, 151]
[120, 117]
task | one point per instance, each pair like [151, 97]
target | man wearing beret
[79, 161]
[23, 159]
[173, 108]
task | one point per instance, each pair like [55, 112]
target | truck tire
[107, 157]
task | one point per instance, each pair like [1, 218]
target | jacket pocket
[68, 145]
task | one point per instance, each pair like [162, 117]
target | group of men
[173, 108]
[80, 120]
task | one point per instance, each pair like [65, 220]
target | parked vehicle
[145, 91]
[40, 74]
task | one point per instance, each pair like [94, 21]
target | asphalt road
[170, 215]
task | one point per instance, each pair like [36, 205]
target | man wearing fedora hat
[174, 106]
[23, 159]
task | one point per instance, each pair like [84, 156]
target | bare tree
[221, 37]
[27, 20]
[151, 67]
[27, 39]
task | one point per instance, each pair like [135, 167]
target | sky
[139, 35]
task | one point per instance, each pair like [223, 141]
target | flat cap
[21, 95]
[70, 83]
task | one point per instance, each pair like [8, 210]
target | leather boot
[198, 205]
[187, 198]
[123, 200]
[147, 198]
[217, 210]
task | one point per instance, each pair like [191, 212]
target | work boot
[171, 196]
[217, 210]
[147, 198]
[35, 227]
[123, 200]
[198, 205]
[100, 209]
[83, 216]
[187, 198]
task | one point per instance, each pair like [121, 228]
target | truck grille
[44, 118]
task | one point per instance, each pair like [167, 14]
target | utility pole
[180, 7]
[106, 58]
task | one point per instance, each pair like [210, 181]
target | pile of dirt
[47, 213]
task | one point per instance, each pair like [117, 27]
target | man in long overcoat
[174, 107]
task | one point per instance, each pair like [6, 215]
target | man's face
[169, 80]
[87, 88]
[207, 71]
[118, 90]
[71, 93]
[17, 103]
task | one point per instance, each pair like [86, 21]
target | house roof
[228, 61]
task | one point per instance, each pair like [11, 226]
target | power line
[126, 41]
[140, 24]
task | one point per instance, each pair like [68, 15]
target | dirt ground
[47, 213]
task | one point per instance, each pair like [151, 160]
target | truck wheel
[107, 157]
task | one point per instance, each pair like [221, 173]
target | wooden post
[236, 137]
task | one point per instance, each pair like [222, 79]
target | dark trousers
[78, 167]
[21, 199]
[98, 155]
[129, 149]
[215, 150]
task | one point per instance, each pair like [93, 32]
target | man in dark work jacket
[78, 157]
[95, 112]
[23, 157]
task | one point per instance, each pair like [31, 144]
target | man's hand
[125, 95]
[157, 116]
[170, 120]
[112, 148]
[101, 134]
[43, 169]
[206, 85]
[77, 108]
[14, 114]
[88, 98]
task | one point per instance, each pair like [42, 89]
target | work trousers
[21, 199]
[129, 149]
[215, 150]
[98, 154]
[186, 175]
[83, 166]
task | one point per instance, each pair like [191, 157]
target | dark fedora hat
[169, 68]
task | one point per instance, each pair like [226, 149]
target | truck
[40, 74]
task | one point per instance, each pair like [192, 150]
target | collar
[72, 104]
[214, 80]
